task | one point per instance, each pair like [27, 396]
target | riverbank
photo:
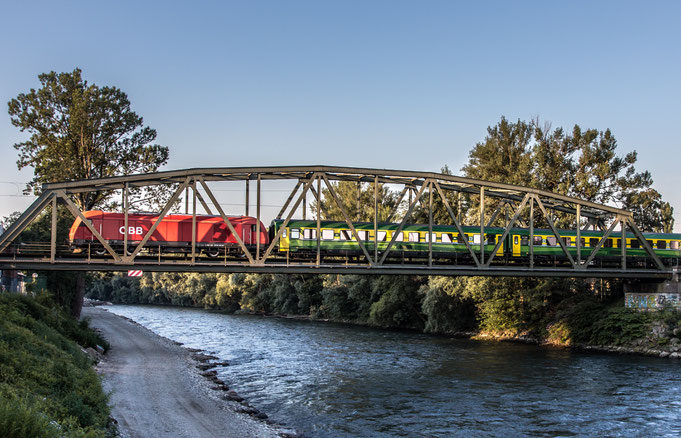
[48, 387]
[157, 388]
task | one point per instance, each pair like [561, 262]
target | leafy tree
[357, 200]
[81, 131]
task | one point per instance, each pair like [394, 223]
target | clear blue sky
[388, 84]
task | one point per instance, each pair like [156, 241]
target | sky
[384, 84]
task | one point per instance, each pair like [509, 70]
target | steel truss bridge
[516, 205]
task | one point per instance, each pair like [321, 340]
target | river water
[344, 381]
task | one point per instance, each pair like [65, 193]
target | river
[339, 380]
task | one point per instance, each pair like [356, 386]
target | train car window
[476, 238]
[515, 240]
[635, 243]
[460, 239]
[414, 237]
[608, 243]
[295, 233]
[363, 234]
[491, 239]
[567, 241]
[345, 235]
[524, 240]
[309, 234]
[582, 241]
[446, 238]
[381, 236]
[618, 243]
[537, 241]
[593, 242]
[661, 244]
[431, 236]
[327, 234]
[253, 228]
[650, 242]
[674, 244]
[400, 237]
[551, 241]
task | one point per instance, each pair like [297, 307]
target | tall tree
[81, 131]
[357, 200]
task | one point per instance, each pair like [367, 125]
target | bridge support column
[650, 295]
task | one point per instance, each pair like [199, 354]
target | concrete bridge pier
[651, 295]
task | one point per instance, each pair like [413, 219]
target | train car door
[516, 245]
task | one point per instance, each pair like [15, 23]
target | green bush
[47, 383]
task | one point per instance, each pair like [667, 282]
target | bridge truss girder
[417, 185]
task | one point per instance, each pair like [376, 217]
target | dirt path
[156, 389]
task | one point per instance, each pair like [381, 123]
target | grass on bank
[48, 387]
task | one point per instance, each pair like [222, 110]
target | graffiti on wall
[652, 301]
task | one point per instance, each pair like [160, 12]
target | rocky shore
[158, 388]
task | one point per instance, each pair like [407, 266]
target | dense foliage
[48, 387]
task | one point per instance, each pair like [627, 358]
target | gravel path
[156, 389]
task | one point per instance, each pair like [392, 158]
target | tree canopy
[81, 131]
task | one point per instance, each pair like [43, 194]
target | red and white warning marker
[134, 273]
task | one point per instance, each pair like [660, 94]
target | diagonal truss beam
[507, 230]
[277, 236]
[406, 217]
[600, 243]
[218, 207]
[397, 205]
[75, 211]
[347, 218]
[25, 220]
[457, 224]
[554, 230]
[289, 199]
[163, 214]
[644, 243]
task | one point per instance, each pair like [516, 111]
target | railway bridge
[503, 207]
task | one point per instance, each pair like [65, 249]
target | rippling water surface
[338, 380]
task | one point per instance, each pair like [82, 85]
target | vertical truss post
[186, 200]
[482, 224]
[579, 234]
[359, 200]
[257, 213]
[193, 221]
[623, 245]
[319, 219]
[376, 217]
[430, 224]
[126, 213]
[304, 207]
[458, 206]
[531, 233]
[53, 234]
[248, 202]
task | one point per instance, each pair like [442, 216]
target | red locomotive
[173, 234]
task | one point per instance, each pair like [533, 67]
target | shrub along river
[329, 379]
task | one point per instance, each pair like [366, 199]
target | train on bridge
[298, 239]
